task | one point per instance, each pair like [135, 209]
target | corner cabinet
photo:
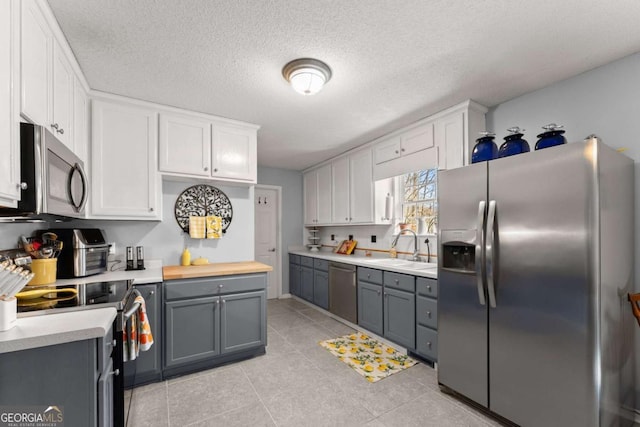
[9, 106]
[193, 146]
[213, 320]
[125, 179]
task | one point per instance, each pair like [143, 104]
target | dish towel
[197, 227]
[214, 227]
[137, 332]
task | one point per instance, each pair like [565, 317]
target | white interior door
[267, 235]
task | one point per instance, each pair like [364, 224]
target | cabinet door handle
[22, 186]
[215, 169]
[368, 276]
[61, 131]
[429, 344]
[220, 286]
[346, 219]
[272, 250]
[429, 314]
[397, 152]
[397, 281]
[115, 372]
[112, 344]
[54, 126]
[152, 293]
[223, 301]
[218, 301]
[379, 292]
[429, 288]
[206, 168]
[402, 149]
[150, 209]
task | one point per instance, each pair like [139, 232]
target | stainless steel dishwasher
[343, 292]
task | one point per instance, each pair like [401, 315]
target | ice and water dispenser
[459, 250]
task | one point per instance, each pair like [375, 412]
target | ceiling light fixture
[306, 75]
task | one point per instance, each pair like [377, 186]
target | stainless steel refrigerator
[536, 259]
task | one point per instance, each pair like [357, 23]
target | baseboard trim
[284, 296]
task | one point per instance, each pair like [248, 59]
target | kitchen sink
[402, 263]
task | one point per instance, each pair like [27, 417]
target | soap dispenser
[185, 259]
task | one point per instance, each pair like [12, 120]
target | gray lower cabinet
[321, 289]
[192, 330]
[400, 317]
[147, 367]
[76, 377]
[427, 318]
[213, 320]
[370, 307]
[306, 283]
[294, 274]
[242, 323]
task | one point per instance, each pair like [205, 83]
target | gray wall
[292, 221]
[165, 240]
[604, 101]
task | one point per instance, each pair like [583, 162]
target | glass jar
[513, 143]
[551, 137]
[485, 148]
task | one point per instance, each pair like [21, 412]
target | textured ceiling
[393, 62]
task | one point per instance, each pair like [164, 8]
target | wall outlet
[333, 237]
[373, 239]
[350, 236]
[112, 248]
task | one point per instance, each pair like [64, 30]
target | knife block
[8, 310]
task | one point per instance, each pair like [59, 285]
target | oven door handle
[127, 314]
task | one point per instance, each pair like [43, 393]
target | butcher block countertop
[172, 272]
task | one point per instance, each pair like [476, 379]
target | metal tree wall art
[202, 200]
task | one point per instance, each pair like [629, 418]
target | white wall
[604, 101]
[291, 183]
[165, 240]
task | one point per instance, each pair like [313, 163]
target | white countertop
[430, 270]
[151, 274]
[59, 328]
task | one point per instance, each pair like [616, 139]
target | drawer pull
[429, 288]
[379, 292]
[397, 281]
[220, 286]
[429, 314]
[429, 344]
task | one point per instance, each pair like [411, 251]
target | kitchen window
[420, 200]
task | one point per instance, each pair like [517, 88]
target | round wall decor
[202, 200]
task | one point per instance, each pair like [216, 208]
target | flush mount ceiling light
[306, 75]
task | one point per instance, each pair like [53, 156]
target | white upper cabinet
[455, 132]
[185, 145]
[310, 189]
[340, 191]
[126, 183]
[234, 153]
[352, 189]
[409, 142]
[317, 196]
[63, 87]
[36, 53]
[361, 187]
[192, 146]
[324, 194]
[81, 123]
[9, 121]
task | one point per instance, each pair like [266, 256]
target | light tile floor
[298, 383]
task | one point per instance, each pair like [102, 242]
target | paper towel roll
[8, 310]
[388, 207]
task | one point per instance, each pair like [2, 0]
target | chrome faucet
[415, 256]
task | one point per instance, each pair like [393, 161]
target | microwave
[53, 183]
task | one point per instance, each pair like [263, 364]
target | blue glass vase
[485, 148]
[552, 137]
[513, 143]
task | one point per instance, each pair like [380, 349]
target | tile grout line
[258, 394]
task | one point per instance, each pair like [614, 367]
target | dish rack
[314, 240]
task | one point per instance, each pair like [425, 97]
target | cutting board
[172, 272]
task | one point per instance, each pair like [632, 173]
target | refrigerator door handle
[490, 246]
[479, 251]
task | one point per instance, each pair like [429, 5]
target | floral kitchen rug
[367, 356]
